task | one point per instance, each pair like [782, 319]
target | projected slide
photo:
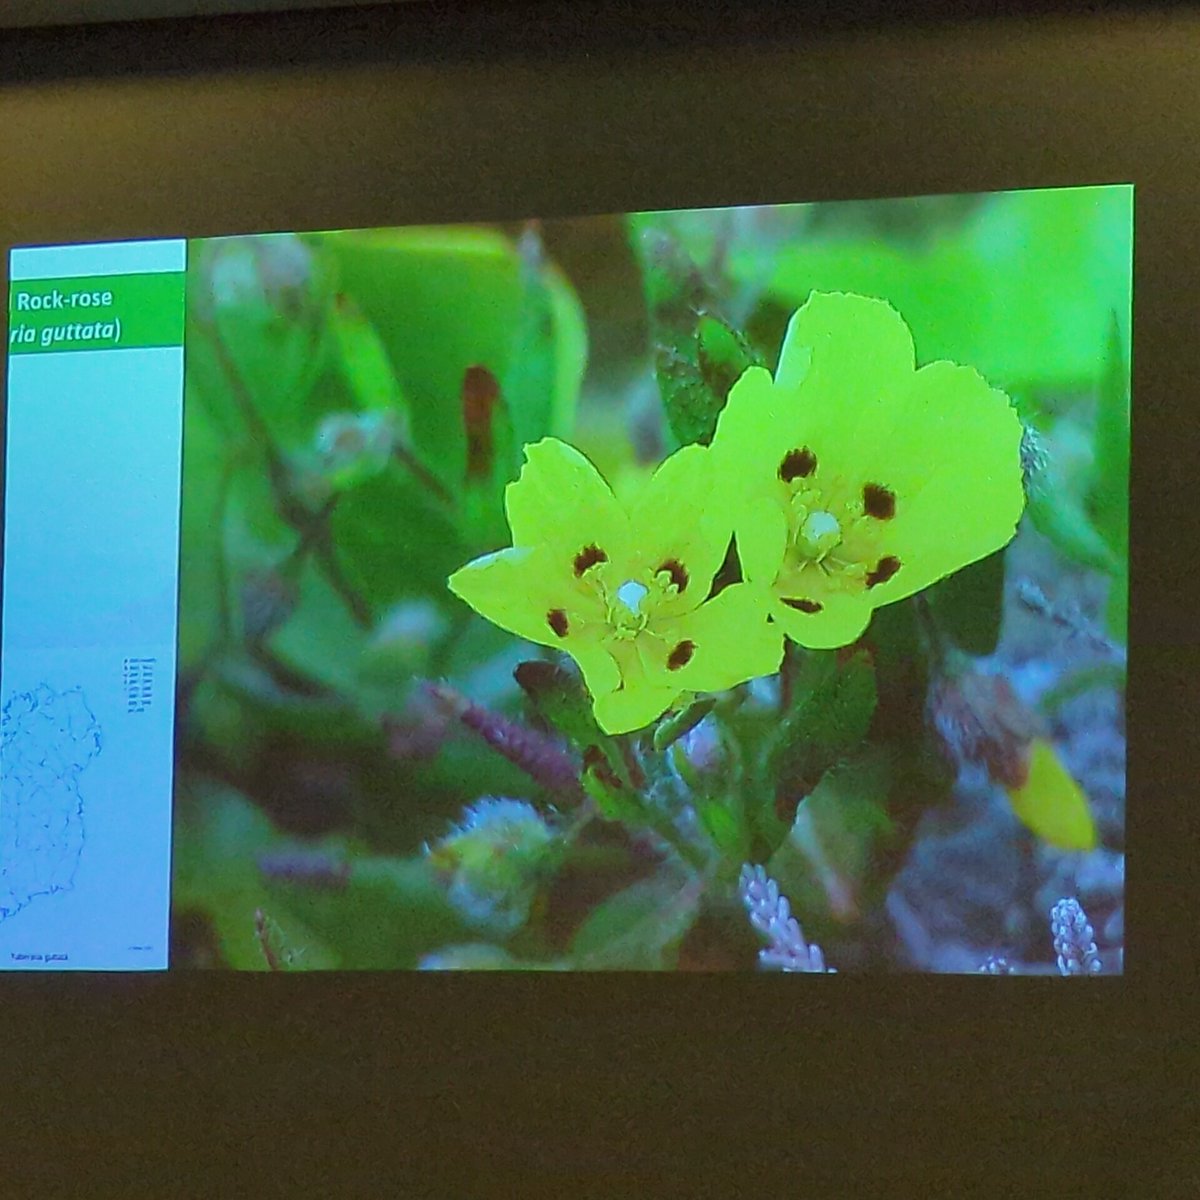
[92, 484]
[724, 590]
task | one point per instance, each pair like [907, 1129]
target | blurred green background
[356, 402]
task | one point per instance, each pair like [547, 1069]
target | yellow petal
[844, 358]
[1052, 804]
[842, 617]
[561, 501]
[724, 642]
[761, 525]
[637, 704]
[754, 421]
[681, 518]
[949, 453]
[600, 671]
[519, 591]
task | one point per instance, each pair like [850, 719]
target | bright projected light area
[712, 590]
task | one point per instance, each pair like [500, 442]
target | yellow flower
[858, 480]
[624, 589]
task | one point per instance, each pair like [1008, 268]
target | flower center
[631, 594]
[626, 613]
[818, 534]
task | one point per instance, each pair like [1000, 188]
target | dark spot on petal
[557, 620]
[589, 556]
[879, 502]
[804, 605]
[885, 568]
[677, 572]
[681, 655]
[797, 464]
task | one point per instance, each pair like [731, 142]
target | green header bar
[99, 312]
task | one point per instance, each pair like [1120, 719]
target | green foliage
[678, 725]
[481, 956]
[1108, 497]
[218, 836]
[363, 359]
[638, 929]
[394, 540]
[830, 715]
[357, 404]
[1082, 503]
[391, 912]
[446, 300]
[1023, 290]
[968, 605]
[559, 697]
[824, 865]
[1103, 675]
[259, 333]
[697, 356]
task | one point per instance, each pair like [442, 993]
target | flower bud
[492, 861]
[352, 447]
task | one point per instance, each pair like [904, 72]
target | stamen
[681, 655]
[885, 568]
[675, 569]
[589, 556]
[797, 464]
[879, 502]
[557, 620]
[631, 594]
[818, 535]
[804, 605]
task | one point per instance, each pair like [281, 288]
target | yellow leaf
[1052, 804]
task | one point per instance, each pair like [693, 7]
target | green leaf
[698, 356]
[722, 355]
[723, 827]
[391, 912]
[549, 347]
[681, 723]
[1059, 514]
[207, 471]
[258, 335]
[676, 288]
[217, 839]
[1102, 675]
[614, 799]
[560, 698]
[824, 864]
[394, 539]
[321, 641]
[1023, 293]
[267, 692]
[969, 604]
[638, 929]
[480, 956]
[695, 374]
[1109, 495]
[443, 300]
[363, 360]
[830, 716]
